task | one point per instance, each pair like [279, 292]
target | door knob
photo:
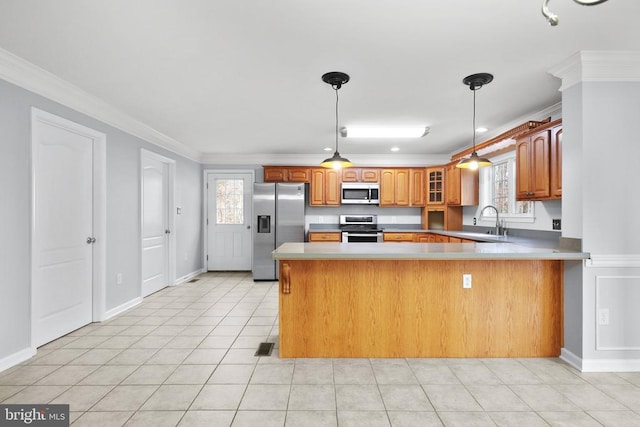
[167, 231]
[91, 240]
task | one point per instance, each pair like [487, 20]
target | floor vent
[193, 280]
[264, 349]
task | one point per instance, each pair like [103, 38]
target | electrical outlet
[119, 279]
[466, 281]
[603, 316]
[556, 224]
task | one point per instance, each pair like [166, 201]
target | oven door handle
[363, 234]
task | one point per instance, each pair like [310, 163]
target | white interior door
[62, 230]
[229, 221]
[155, 224]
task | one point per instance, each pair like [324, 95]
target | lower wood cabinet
[325, 236]
[397, 237]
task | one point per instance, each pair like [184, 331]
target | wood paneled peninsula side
[390, 300]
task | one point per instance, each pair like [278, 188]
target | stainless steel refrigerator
[278, 217]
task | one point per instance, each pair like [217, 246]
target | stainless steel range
[360, 228]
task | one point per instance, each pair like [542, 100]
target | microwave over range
[357, 193]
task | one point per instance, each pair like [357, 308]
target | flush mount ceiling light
[552, 18]
[475, 82]
[384, 132]
[336, 79]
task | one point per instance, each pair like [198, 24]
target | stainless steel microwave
[358, 193]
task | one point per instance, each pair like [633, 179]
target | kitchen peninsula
[408, 300]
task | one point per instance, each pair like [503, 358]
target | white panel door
[63, 231]
[229, 221]
[155, 225]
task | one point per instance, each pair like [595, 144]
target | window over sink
[498, 188]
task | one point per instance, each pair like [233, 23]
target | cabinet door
[387, 187]
[316, 189]
[403, 187]
[523, 169]
[398, 237]
[316, 236]
[275, 174]
[435, 186]
[332, 187]
[370, 175]
[556, 162]
[297, 174]
[453, 184]
[351, 175]
[540, 164]
[416, 187]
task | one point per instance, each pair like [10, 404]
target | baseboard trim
[122, 308]
[600, 365]
[15, 358]
[188, 277]
[571, 359]
[611, 365]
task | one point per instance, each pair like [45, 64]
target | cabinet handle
[285, 271]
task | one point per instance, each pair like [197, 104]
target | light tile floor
[185, 356]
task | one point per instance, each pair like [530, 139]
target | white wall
[123, 212]
[601, 103]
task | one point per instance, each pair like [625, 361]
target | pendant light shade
[475, 82]
[336, 79]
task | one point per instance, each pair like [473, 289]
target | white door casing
[68, 226]
[157, 225]
[228, 241]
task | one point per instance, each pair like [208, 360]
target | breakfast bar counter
[408, 300]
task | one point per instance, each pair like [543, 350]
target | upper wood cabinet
[556, 162]
[325, 187]
[286, 174]
[533, 166]
[417, 190]
[435, 186]
[462, 186]
[402, 187]
[360, 175]
[539, 164]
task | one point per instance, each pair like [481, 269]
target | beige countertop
[471, 251]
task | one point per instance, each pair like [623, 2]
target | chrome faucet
[497, 217]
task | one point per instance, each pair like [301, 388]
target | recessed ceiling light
[384, 131]
[395, 149]
[481, 130]
[327, 149]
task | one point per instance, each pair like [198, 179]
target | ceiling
[240, 78]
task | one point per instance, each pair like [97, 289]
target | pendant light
[552, 18]
[475, 82]
[336, 79]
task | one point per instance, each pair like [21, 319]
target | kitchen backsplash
[330, 215]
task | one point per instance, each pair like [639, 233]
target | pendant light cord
[337, 130]
[474, 120]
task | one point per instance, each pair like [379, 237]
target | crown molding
[315, 159]
[28, 76]
[598, 66]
